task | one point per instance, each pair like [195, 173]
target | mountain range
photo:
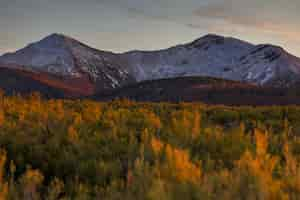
[74, 69]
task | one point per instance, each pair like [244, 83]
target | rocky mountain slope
[63, 56]
[220, 57]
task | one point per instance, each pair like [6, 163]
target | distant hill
[203, 89]
[14, 81]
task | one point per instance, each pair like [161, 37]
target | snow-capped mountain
[268, 65]
[220, 57]
[63, 56]
[211, 55]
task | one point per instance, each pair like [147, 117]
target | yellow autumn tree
[72, 134]
[196, 125]
[2, 117]
[262, 165]
[31, 181]
[3, 183]
[180, 166]
[157, 146]
[185, 124]
[291, 172]
[91, 112]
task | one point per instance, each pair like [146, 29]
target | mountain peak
[54, 36]
[212, 36]
[54, 40]
[220, 42]
[213, 39]
[51, 54]
[209, 38]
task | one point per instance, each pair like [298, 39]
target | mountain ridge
[211, 55]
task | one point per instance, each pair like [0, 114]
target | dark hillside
[204, 89]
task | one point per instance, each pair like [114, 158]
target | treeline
[63, 149]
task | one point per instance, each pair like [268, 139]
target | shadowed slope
[206, 90]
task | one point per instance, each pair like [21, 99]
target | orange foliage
[186, 124]
[3, 184]
[196, 125]
[157, 146]
[31, 181]
[178, 162]
[262, 166]
[261, 142]
[72, 134]
[2, 117]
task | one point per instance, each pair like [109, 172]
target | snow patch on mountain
[210, 56]
[50, 54]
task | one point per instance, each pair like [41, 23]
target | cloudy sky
[122, 25]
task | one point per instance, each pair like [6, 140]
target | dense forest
[81, 149]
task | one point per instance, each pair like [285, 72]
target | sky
[123, 25]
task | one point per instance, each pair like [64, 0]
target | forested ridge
[82, 149]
